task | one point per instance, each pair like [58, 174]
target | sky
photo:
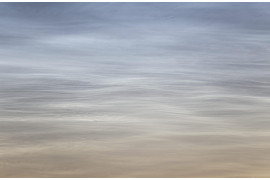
[189, 81]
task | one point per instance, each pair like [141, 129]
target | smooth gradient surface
[134, 89]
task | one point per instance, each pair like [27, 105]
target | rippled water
[134, 90]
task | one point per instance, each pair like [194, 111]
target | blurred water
[134, 90]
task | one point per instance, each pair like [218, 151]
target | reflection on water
[134, 90]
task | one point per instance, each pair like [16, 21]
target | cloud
[197, 68]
